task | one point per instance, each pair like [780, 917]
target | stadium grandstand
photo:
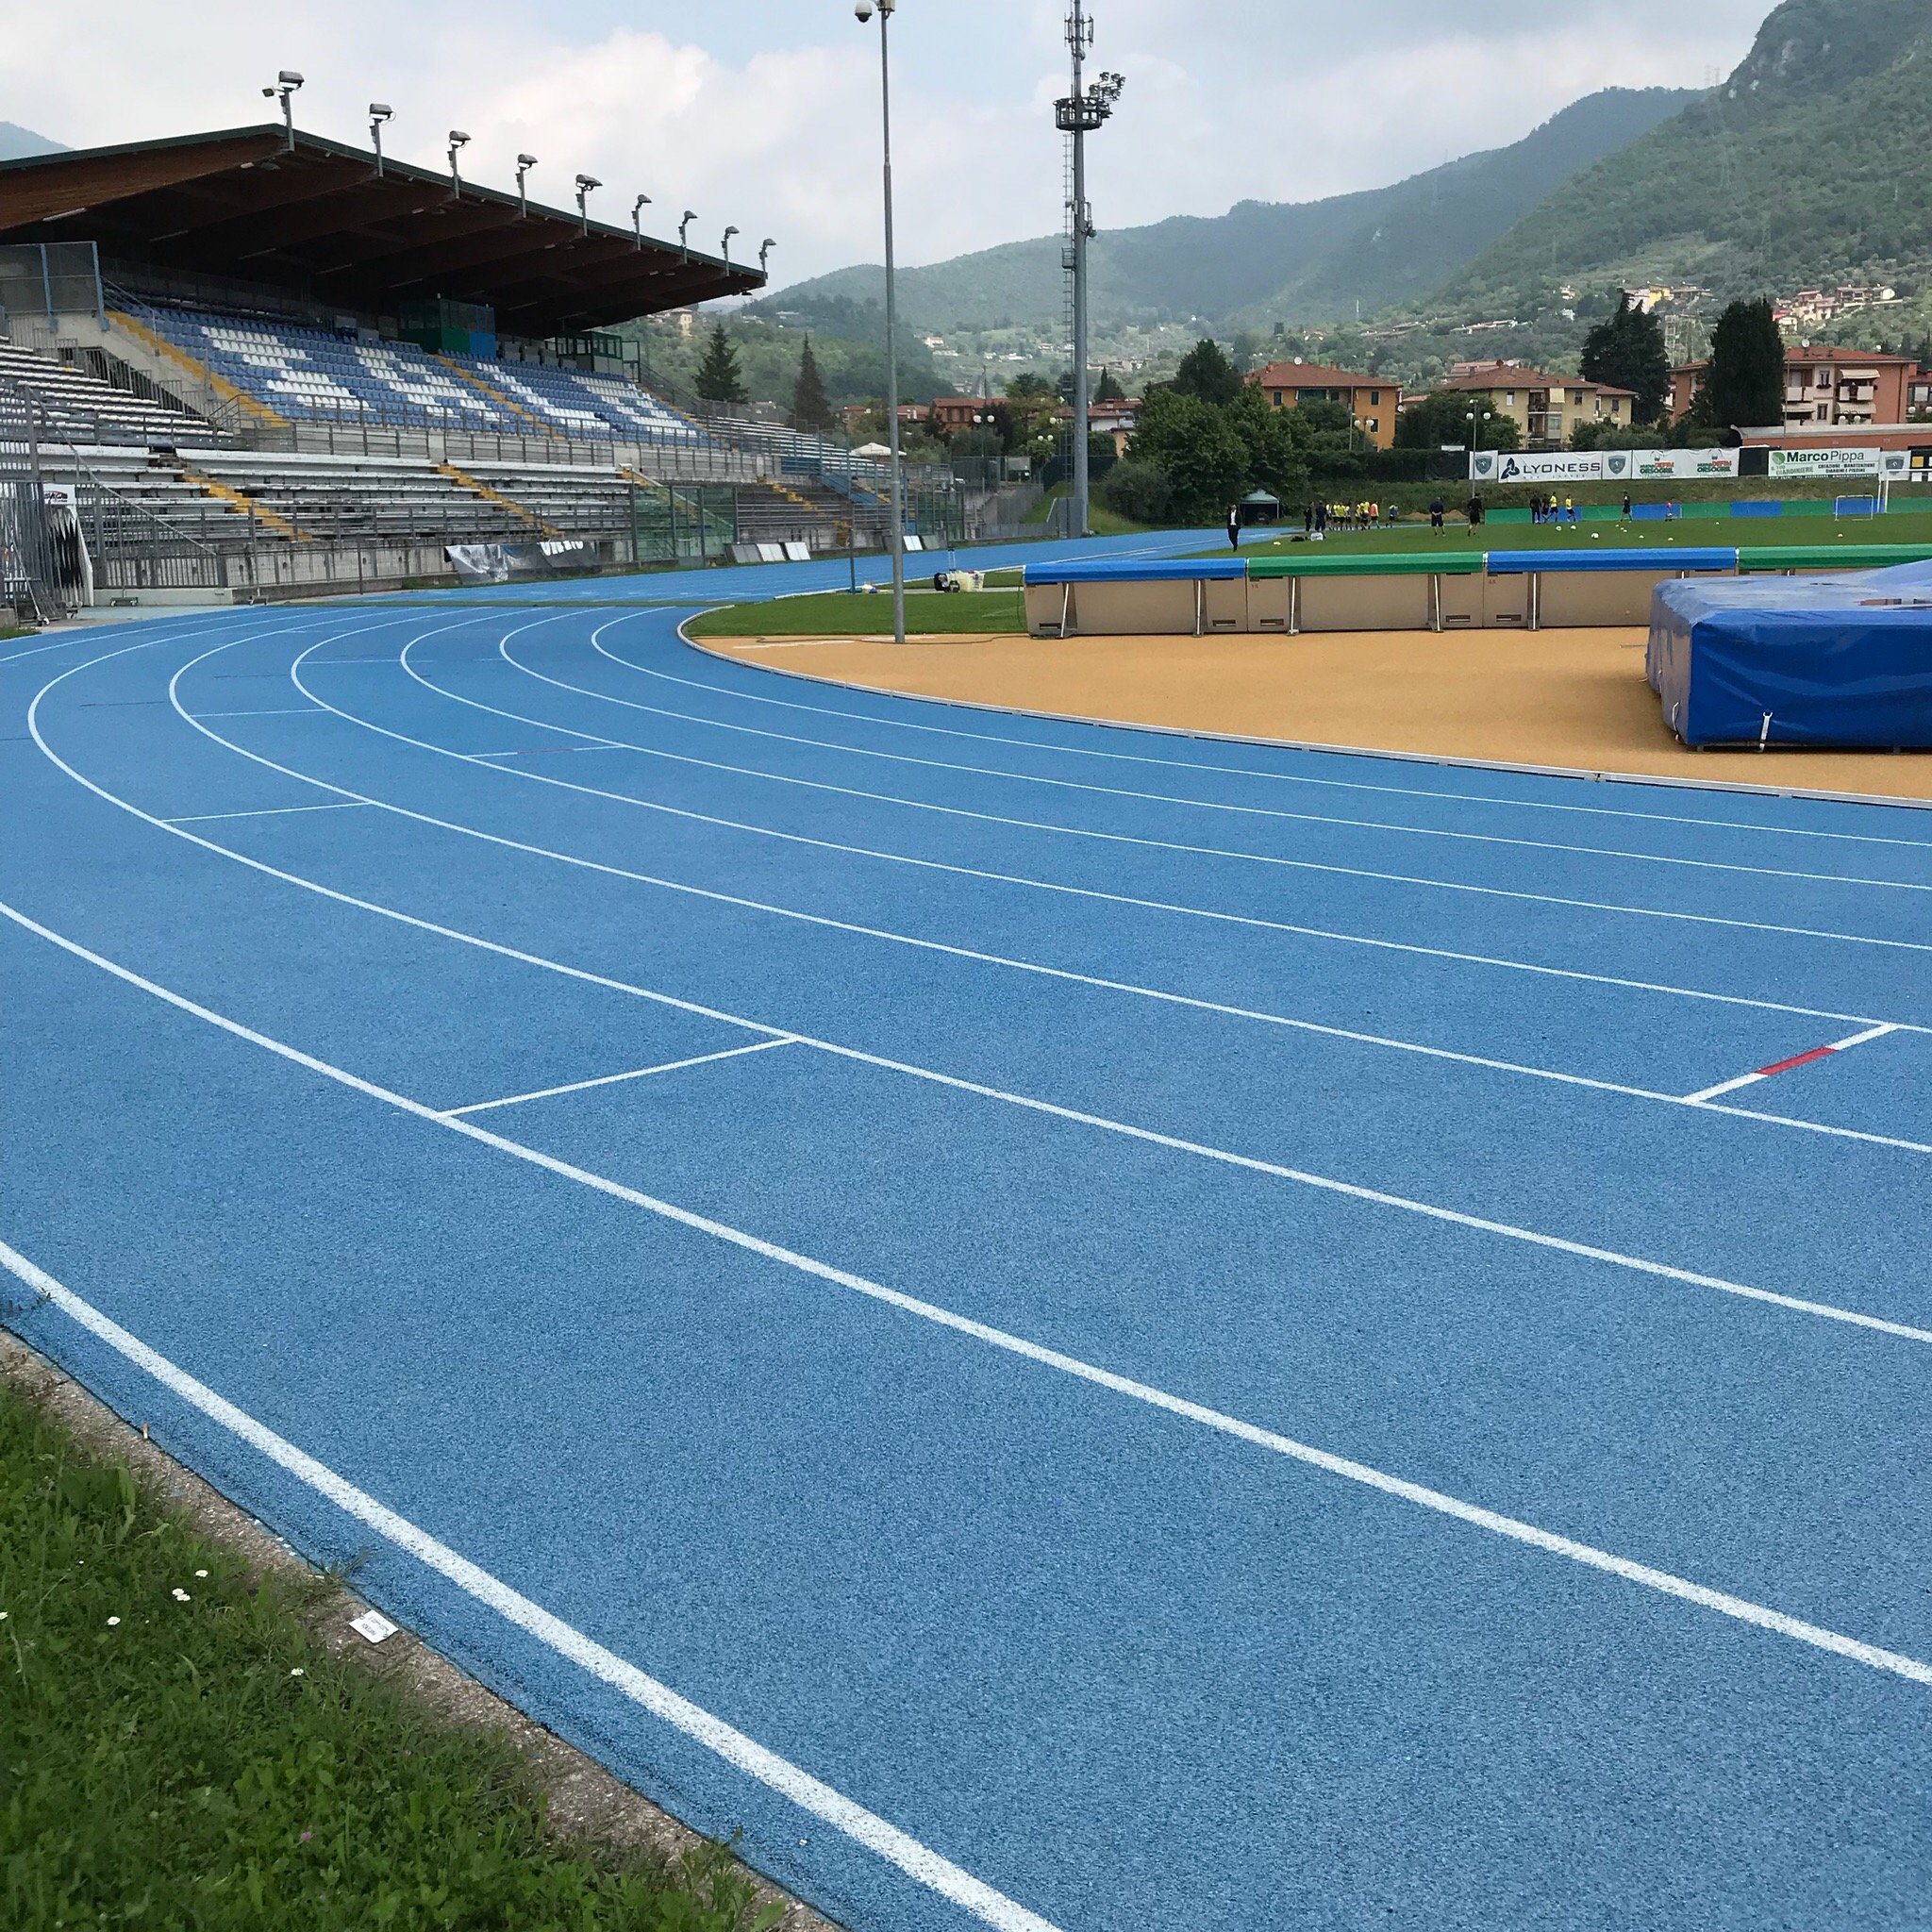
[262, 362]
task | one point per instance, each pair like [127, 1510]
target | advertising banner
[1664, 465]
[1824, 463]
[1553, 466]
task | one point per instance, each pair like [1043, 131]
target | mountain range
[1294, 262]
[1811, 164]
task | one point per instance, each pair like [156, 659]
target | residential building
[1117, 420]
[1547, 408]
[951, 414]
[1372, 400]
[1824, 385]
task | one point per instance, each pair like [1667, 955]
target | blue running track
[1071, 1328]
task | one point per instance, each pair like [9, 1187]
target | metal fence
[35, 579]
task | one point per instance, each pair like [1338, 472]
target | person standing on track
[1234, 525]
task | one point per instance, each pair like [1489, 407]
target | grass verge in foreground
[12, 631]
[177, 1749]
[842, 614]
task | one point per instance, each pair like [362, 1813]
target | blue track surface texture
[1074, 1328]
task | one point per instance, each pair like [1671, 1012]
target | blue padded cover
[1512, 563]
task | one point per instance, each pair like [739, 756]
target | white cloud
[764, 113]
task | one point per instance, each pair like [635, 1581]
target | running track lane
[1090, 1652]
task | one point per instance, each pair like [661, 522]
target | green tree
[718, 377]
[1276, 451]
[1628, 352]
[1441, 419]
[1746, 379]
[1206, 375]
[1139, 492]
[1107, 390]
[811, 407]
[1195, 447]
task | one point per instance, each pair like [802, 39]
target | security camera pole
[1083, 112]
[897, 536]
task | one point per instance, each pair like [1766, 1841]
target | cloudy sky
[764, 112]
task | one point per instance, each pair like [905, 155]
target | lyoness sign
[1555, 466]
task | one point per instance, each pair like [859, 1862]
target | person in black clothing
[1234, 525]
[1436, 513]
[1626, 505]
[1321, 523]
[1308, 520]
[1475, 509]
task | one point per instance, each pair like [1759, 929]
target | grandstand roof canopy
[318, 218]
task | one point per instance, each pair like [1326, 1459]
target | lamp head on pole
[287, 82]
[380, 111]
[458, 141]
[765, 248]
[690, 216]
[585, 184]
[524, 163]
[636, 217]
[725, 245]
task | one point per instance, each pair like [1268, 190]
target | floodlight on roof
[524, 163]
[585, 184]
[458, 140]
[380, 111]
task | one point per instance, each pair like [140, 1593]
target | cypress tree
[1628, 352]
[1746, 379]
[810, 409]
[718, 378]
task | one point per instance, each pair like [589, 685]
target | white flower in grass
[299, 1672]
[182, 1596]
[201, 1572]
[112, 1621]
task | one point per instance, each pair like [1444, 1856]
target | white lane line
[1664, 1582]
[644, 879]
[1249, 811]
[909, 700]
[1307, 865]
[1802, 1060]
[1299, 931]
[1160, 995]
[702, 1060]
[284, 711]
[1127, 1131]
[272, 811]
[918, 1862]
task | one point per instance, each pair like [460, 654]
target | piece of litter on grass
[373, 1625]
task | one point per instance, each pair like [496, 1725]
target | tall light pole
[895, 537]
[637, 218]
[524, 163]
[585, 184]
[458, 140]
[1082, 112]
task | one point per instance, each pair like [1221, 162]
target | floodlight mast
[636, 219]
[524, 163]
[1084, 112]
[585, 184]
[458, 141]
[380, 111]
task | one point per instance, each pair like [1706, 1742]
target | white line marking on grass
[702, 1060]
[272, 811]
[1247, 1163]
[1662, 1581]
[1786, 1066]
[919, 1862]
[912, 699]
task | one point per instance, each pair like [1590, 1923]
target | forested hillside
[1298, 261]
[1811, 164]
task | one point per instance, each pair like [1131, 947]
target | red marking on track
[1802, 1059]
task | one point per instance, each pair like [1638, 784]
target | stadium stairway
[490, 494]
[158, 358]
